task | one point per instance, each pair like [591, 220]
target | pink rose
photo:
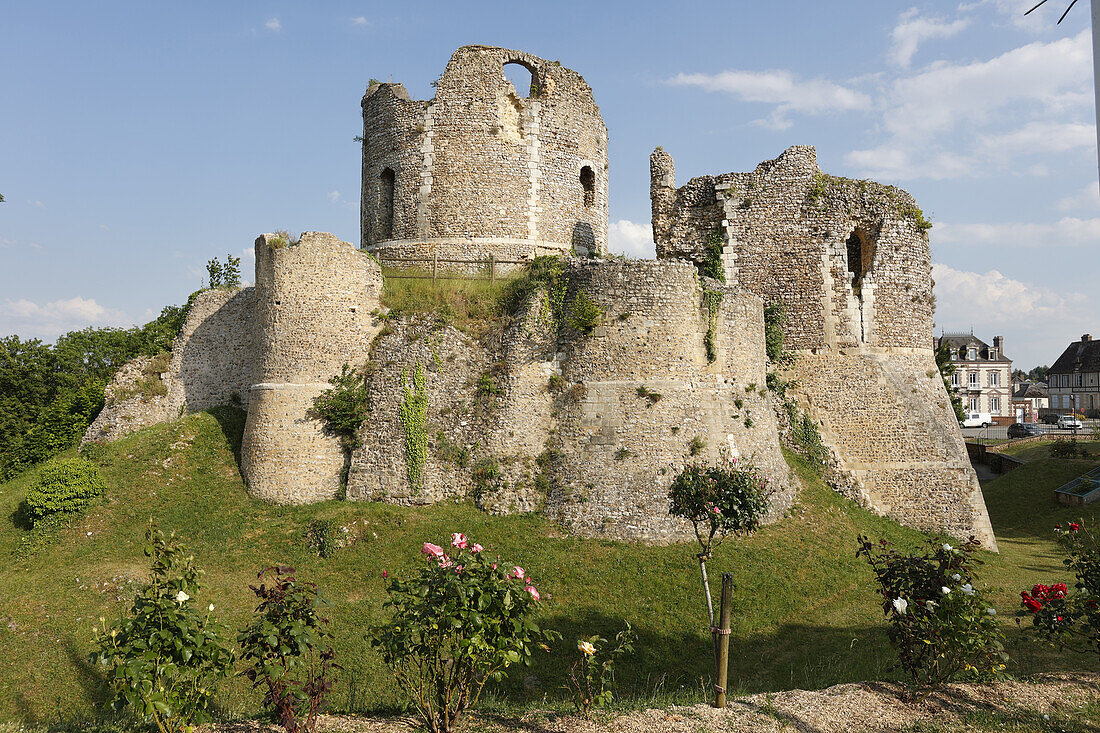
[517, 573]
[445, 562]
[458, 568]
[385, 574]
[494, 566]
[433, 550]
[534, 593]
[476, 548]
[716, 510]
[458, 540]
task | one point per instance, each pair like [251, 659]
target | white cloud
[1040, 137]
[273, 25]
[11, 243]
[337, 198]
[362, 21]
[1087, 198]
[104, 227]
[912, 30]
[893, 163]
[1036, 321]
[779, 87]
[334, 196]
[1066, 231]
[48, 321]
[631, 239]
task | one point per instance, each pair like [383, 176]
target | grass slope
[805, 613]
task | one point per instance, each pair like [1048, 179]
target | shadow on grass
[231, 421]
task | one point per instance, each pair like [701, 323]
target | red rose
[1074, 526]
[1030, 603]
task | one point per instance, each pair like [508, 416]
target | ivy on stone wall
[712, 299]
[414, 418]
[775, 317]
[711, 265]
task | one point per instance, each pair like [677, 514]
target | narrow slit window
[588, 185]
[385, 204]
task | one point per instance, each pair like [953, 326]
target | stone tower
[312, 314]
[485, 168]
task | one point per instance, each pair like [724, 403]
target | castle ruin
[588, 422]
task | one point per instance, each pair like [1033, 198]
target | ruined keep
[610, 375]
[850, 263]
[485, 168]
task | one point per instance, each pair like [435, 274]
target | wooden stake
[723, 640]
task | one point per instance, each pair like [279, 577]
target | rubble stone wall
[849, 261]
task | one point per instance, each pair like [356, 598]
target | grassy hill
[805, 613]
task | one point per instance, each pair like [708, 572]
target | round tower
[485, 168]
[313, 314]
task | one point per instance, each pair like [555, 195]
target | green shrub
[321, 537]
[163, 661]
[345, 405]
[287, 650]
[711, 266]
[414, 419]
[584, 314]
[697, 445]
[940, 625]
[460, 622]
[1070, 619]
[1063, 448]
[64, 489]
[775, 318]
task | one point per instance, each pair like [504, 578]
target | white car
[1069, 422]
[977, 420]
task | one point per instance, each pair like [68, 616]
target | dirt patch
[871, 707]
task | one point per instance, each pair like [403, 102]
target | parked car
[977, 420]
[1069, 422]
[1023, 430]
[1050, 419]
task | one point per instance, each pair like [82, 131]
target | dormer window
[972, 354]
[993, 355]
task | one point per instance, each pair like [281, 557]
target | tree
[947, 368]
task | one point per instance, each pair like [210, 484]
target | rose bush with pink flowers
[463, 620]
[1064, 618]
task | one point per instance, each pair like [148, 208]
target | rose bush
[1069, 619]
[462, 621]
[940, 625]
[163, 661]
[593, 673]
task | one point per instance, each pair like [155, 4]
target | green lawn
[1041, 449]
[805, 612]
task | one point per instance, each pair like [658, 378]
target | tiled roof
[1081, 356]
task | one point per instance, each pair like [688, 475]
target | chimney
[998, 342]
[1086, 337]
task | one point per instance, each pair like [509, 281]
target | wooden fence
[432, 270]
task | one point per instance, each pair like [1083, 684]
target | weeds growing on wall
[712, 257]
[818, 189]
[915, 213]
[224, 276]
[585, 315]
[345, 405]
[414, 418]
[712, 299]
[775, 318]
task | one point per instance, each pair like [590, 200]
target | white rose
[948, 548]
[900, 605]
[181, 597]
[967, 589]
[956, 576]
[991, 611]
[945, 590]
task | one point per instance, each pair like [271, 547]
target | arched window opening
[385, 204]
[855, 261]
[523, 78]
[588, 185]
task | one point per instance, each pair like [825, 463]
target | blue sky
[137, 140]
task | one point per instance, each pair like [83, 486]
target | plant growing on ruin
[414, 419]
[585, 315]
[345, 405]
[287, 649]
[917, 216]
[464, 619]
[592, 675]
[939, 624]
[163, 660]
[711, 266]
[1069, 618]
[775, 318]
[818, 189]
[728, 499]
[712, 299]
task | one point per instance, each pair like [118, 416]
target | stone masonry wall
[316, 308]
[485, 164]
[212, 364]
[849, 260]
